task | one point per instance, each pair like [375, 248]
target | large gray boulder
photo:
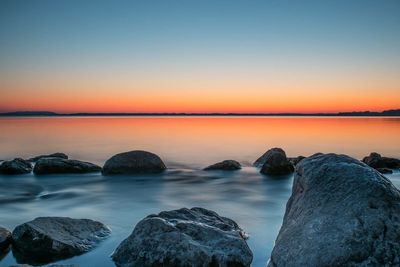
[341, 213]
[134, 162]
[15, 166]
[275, 162]
[46, 239]
[54, 155]
[60, 165]
[186, 237]
[5, 239]
[226, 165]
[376, 161]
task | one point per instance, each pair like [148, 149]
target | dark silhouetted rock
[275, 162]
[54, 155]
[133, 162]
[59, 165]
[184, 237]
[384, 170]
[226, 165]
[5, 239]
[341, 213]
[15, 166]
[376, 161]
[261, 160]
[46, 239]
[296, 160]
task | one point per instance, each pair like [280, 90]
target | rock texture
[184, 237]
[376, 161]
[133, 162]
[341, 213]
[46, 239]
[60, 165]
[275, 162]
[15, 166]
[226, 165]
[54, 155]
[5, 239]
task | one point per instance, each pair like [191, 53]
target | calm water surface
[186, 144]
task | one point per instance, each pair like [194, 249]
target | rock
[133, 162]
[184, 237]
[54, 155]
[296, 160]
[275, 162]
[5, 239]
[59, 165]
[384, 170]
[376, 161]
[261, 160]
[341, 213]
[15, 166]
[226, 165]
[46, 239]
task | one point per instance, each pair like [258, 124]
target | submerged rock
[59, 165]
[341, 213]
[376, 161]
[184, 237]
[54, 155]
[226, 165]
[15, 166]
[5, 239]
[134, 162]
[46, 239]
[275, 162]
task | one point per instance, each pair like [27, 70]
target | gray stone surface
[275, 162]
[60, 165]
[15, 166]
[226, 165]
[376, 161]
[54, 155]
[46, 239]
[184, 237]
[133, 162]
[341, 213]
[5, 239]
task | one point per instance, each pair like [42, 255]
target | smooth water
[186, 144]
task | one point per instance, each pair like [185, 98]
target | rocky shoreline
[342, 212]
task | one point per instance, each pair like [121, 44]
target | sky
[199, 56]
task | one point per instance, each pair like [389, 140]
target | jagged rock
[341, 213]
[15, 166]
[184, 237]
[133, 162]
[54, 155]
[5, 239]
[376, 161]
[59, 165]
[46, 239]
[275, 162]
[226, 165]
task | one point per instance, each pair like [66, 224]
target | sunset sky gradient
[199, 56]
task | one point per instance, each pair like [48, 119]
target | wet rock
[275, 162]
[133, 162]
[341, 213]
[184, 237]
[46, 239]
[296, 160]
[54, 155]
[59, 165]
[376, 161]
[5, 239]
[226, 165]
[15, 166]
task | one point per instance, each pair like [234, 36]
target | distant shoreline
[386, 113]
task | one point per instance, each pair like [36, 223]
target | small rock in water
[376, 161]
[275, 162]
[226, 165]
[15, 166]
[60, 165]
[54, 155]
[133, 162]
[341, 213]
[5, 239]
[184, 237]
[46, 239]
